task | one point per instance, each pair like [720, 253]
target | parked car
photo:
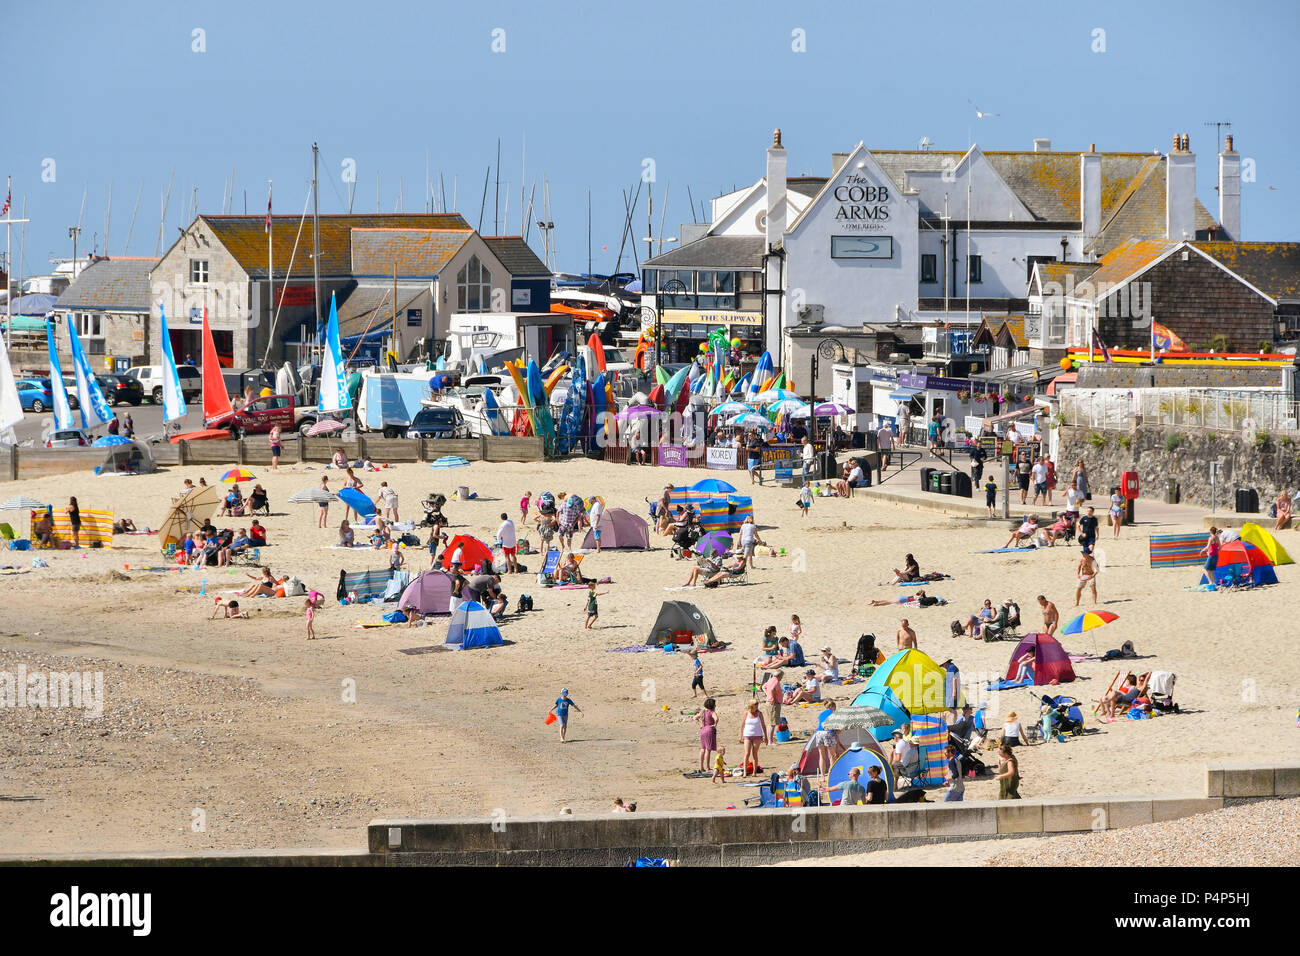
[119, 389]
[34, 394]
[262, 414]
[150, 379]
[438, 421]
[68, 438]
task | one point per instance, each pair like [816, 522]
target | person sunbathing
[726, 571]
[1130, 690]
[1060, 528]
[567, 569]
[911, 571]
[347, 537]
[810, 691]
[124, 526]
[709, 566]
[43, 532]
[263, 586]
[920, 598]
[1027, 530]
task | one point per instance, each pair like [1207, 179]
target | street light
[675, 286]
[828, 349]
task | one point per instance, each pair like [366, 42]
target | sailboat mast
[315, 231]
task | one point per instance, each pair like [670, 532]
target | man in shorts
[774, 695]
[509, 543]
[1039, 477]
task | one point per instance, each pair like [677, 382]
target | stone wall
[1160, 454]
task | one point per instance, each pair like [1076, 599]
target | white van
[150, 379]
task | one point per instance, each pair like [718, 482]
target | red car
[260, 416]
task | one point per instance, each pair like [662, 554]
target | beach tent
[473, 553]
[887, 701]
[678, 622]
[855, 733]
[126, 458]
[916, 680]
[428, 593]
[187, 514]
[472, 626]
[1050, 662]
[619, 528]
[1243, 564]
[863, 757]
[1252, 533]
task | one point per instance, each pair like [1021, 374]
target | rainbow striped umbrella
[238, 474]
[1089, 620]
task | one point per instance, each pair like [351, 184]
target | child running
[720, 766]
[593, 610]
[990, 496]
[561, 711]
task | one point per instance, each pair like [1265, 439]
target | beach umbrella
[750, 420]
[108, 441]
[786, 406]
[449, 461]
[325, 426]
[310, 496]
[1088, 621]
[863, 715]
[714, 486]
[188, 513]
[732, 408]
[773, 395]
[23, 503]
[715, 542]
[238, 474]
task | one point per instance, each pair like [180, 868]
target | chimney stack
[1042, 146]
[776, 180]
[1090, 194]
[1180, 190]
[1230, 192]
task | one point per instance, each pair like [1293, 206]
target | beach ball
[735, 343]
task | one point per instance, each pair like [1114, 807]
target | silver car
[68, 438]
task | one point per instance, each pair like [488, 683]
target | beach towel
[1008, 684]
[634, 649]
[1007, 550]
[923, 583]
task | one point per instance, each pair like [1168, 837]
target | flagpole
[270, 257]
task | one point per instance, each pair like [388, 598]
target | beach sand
[250, 730]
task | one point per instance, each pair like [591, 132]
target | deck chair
[549, 565]
[737, 577]
[247, 556]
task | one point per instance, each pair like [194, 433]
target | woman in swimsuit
[265, 585]
[752, 735]
[74, 518]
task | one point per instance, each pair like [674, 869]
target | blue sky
[116, 95]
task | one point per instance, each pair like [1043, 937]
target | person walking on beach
[509, 543]
[74, 518]
[1116, 513]
[276, 447]
[697, 673]
[748, 539]
[906, 636]
[1008, 775]
[387, 499]
[1038, 476]
[1051, 618]
[593, 611]
[752, 734]
[314, 600]
[1087, 571]
[524, 502]
[561, 711]
[324, 503]
[708, 721]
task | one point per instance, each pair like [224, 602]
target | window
[474, 287]
[1056, 326]
[649, 281]
[929, 267]
[90, 324]
[708, 281]
[975, 269]
[199, 271]
[751, 282]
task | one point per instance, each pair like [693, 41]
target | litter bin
[1247, 501]
[867, 440]
[961, 484]
[945, 482]
[925, 477]
[826, 467]
[934, 481]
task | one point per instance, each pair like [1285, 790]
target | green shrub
[1261, 440]
[1172, 441]
[1097, 440]
[1125, 441]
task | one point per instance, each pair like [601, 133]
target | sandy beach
[250, 729]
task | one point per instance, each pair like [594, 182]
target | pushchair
[432, 506]
[864, 661]
[1061, 715]
[685, 538]
[966, 756]
[1160, 691]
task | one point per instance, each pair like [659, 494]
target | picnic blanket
[1176, 550]
[96, 526]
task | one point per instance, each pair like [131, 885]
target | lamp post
[827, 349]
[662, 289]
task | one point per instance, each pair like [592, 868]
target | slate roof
[1271, 267]
[517, 256]
[246, 240]
[1139, 211]
[414, 253]
[116, 285]
[1126, 260]
[805, 185]
[714, 252]
[1061, 272]
[356, 310]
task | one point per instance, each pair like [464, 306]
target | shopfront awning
[1031, 375]
[905, 394]
[1017, 415]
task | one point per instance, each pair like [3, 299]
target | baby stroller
[864, 661]
[1063, 713]
[966, 756]
[432, 506]
[684, 539]
[1160, 691]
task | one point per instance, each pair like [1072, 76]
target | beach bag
[525, 602]
[395, 617]
[957, 629]
[294, 588]
[410, 540]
